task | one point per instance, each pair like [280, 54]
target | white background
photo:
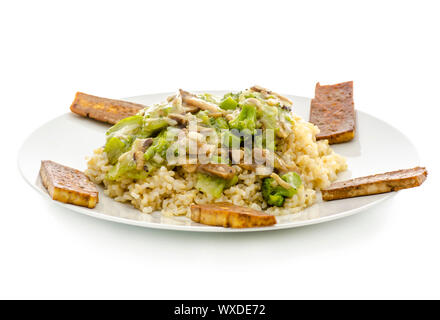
[51, 49]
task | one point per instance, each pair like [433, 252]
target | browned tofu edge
[227, 215]
[86, 198]
[326, 98]
[103, 109]
[375, 184]
[338, 137]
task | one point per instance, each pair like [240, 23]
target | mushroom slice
[280, 181]
[260, 170]
[267, 91]
[246, 166]
[138, 157]
[179, 118]
[264, 171]
[279, 163]
[191, 100]
[220, 170]
[190, 109]
[190, 168]
[229, 215]
[139, 148]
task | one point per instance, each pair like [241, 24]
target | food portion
[68, 185]
[374, 184]
[246, 148]
[103, 109]
[229, 215]
[236, 160]
[332, 111]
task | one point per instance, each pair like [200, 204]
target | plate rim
[203, 228]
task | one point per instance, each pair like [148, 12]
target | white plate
[68, 139]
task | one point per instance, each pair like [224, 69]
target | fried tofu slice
[68, 185]
[332, 111]
[229, 215]
[103, 109]
[374, 184]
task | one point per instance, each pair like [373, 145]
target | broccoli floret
[246, 119]
[270, 193]
[204, 116]
[231, 182]
[210, 185]
[213, 185]
[158, 149]
[228, 103]
[268, 116]
[122, 134]
[219, 123]
[274, 194]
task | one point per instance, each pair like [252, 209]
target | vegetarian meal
[236, 160]
[249, 149]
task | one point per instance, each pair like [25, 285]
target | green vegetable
[209, 97]
[270, 193]
[218, 159]
[231, 182]
[136, 127]
[219, 123]
[228, 103]
[158, 150]
[203, 115]
[294, 180]
[235, 96]
[153, 125]
[213, 185]
[210, 185]
[268, 116]
[230, 140]
[246, 119]
[261, 140]
[274, 194]
[114, 148]
[128, 126]
[126, 168]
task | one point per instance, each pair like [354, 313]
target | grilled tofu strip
[68, 185]
[229, 215]
[103, 109]
[332, 110]
[379, 183]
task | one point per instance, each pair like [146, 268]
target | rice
[173, 191]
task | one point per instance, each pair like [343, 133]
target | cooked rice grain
[174, 191]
